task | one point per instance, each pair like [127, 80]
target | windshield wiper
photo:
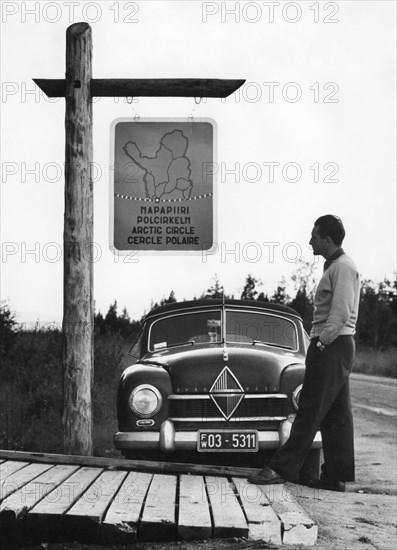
[270, 344]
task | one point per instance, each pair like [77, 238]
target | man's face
[318, 243]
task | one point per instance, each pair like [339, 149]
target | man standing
[324, 401]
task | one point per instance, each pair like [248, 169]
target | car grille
[250, 409]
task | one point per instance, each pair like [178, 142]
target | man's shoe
[267, 476]
[328, 485]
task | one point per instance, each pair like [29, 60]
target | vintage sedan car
[215, 379]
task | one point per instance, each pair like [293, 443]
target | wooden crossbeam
[146, 87]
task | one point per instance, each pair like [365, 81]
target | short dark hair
[331, 226]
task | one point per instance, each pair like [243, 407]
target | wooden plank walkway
[112, 501]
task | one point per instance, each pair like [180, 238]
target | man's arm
[344, 288]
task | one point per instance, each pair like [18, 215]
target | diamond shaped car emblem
[227, 393]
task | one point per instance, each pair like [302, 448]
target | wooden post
[78, 312]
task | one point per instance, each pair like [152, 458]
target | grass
[31, 389]
[31, 392]
[376, 362]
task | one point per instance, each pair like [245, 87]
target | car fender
[133, 377]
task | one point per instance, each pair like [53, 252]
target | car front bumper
[167, 439]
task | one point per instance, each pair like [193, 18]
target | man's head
[327, 235]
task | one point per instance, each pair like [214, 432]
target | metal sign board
[162, 185]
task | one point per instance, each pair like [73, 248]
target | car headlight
[295, 396]
[145, 400]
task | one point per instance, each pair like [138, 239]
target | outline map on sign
[167, 175]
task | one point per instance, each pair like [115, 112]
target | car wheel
[311, 466]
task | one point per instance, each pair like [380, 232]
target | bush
[8, 326]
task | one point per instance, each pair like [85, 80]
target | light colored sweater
[336, 301]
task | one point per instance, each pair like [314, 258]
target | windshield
[195, 328]
[252, 327]
[242, 327]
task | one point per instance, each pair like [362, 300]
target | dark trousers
[324, 405]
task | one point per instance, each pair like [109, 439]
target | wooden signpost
[78, 89]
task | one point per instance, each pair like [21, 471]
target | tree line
[376, 326]
[377, 320]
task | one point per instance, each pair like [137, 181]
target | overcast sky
[318, 108]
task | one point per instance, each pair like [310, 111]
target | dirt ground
[363, 518]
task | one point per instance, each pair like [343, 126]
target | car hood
[253, 368]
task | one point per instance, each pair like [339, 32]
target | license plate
[227, 440]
